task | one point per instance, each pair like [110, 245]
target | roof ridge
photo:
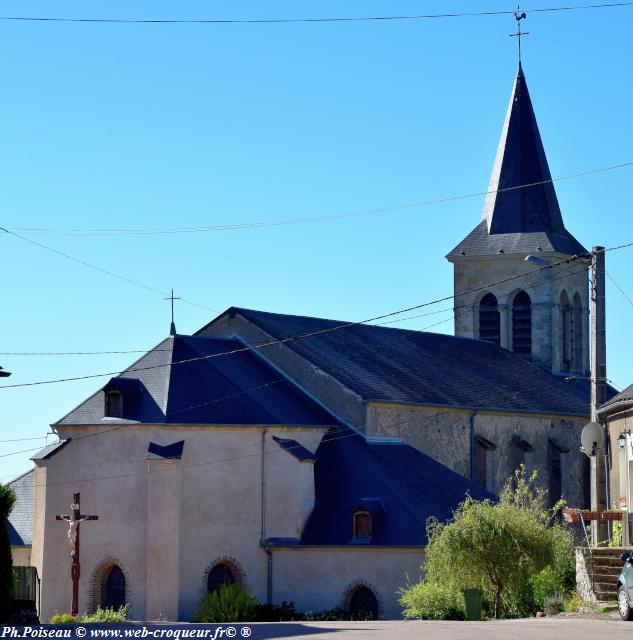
[26, 473]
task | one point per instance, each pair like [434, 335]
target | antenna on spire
[172, 328]
[518, 16]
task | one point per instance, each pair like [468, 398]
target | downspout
[262, 538]
[473, 435]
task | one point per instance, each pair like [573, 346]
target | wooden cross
[519, 15]
[74, 522]
[172, 330]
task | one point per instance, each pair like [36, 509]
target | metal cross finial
[172, 329]
[518, 16]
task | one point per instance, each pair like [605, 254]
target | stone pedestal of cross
[74, 521]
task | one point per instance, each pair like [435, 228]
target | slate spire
[519, 220]
[521, 160]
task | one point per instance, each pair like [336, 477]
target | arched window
[114, 404]
[577, 337]
[220, 575]
[363, 603]
[522, 323]
[489, 321]
[114, 589]
[566, 332]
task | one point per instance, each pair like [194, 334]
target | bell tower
[543, 315]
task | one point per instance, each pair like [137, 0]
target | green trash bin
[472, 598]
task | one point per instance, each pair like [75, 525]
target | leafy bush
[338, 614]
[64, 618]
[109, 614]
[546, 584]
[498, 548]
[285, 612]
[431, 601]
[572, 604]
[7, 500]
[230, 603]
[554, 604]
[616, 534]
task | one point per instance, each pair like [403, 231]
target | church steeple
[521, 161]
[498, 296]
[521, 212]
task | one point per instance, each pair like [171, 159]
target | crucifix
[172, 329]
[74, 521]
[518, 16]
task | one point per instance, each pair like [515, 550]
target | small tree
[7, 500]
[497, 547]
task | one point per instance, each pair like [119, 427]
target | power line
[130, 351]
[619, 288]
[310, 20]
[102, 270]
[293, 221]
[312, 333]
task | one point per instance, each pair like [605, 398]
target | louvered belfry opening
[489, 319]
[522, 323]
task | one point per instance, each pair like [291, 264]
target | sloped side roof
[527, 219]
[385, 364]
[622, 399]
[411, 486]
[199, 385]
[20, 522]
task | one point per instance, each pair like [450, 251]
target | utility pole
[599, 465]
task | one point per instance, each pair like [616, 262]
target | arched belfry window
[565, 332]
[489, 319]
[577, 337]
[219, 575]
[522, 323]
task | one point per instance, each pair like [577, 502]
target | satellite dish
[592, 438]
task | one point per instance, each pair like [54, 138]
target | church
[301, 457]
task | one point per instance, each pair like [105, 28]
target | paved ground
[532, 629]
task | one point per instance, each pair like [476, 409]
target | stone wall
[544, 288]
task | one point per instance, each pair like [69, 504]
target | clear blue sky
[158, 126]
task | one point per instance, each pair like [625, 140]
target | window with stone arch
[565, 332]
[522, 323]
[221, 572]
[362, 602]
[489, 319]
[109, 586]
[577, 335]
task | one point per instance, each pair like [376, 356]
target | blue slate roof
[618, 401]
[20, 522]
[295, 449]
[165, 452]
[385, 364]
[186, 380]
[522, 220]
[411, 487]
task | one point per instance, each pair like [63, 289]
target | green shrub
[572, 604]
[554, 604]
[338, 614]
[109, 614]
[64, 618]
[498, 548]
[431, 601]
[285, 612]
[616, 534]
[546, 584]
[230, 603]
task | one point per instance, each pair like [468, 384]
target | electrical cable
[609, 5]
[313, 333]
[293, 221]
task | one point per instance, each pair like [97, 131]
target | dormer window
[114, 404]
[366, 520]
[362, 524]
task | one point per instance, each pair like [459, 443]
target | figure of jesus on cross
[74, 521]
